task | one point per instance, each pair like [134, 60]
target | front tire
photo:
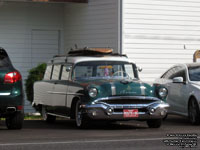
[193, 112]
[15, 121]
[81, 121]
[46, 117]
[156, 123]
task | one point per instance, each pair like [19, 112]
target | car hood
[114, 87]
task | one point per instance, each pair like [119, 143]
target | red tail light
[12, 77]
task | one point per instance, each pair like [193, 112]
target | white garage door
[44, 45]
[158, 34]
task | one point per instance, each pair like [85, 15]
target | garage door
[44, 45]
[158, 34]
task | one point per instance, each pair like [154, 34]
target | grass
[31, 117]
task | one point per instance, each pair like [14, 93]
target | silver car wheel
[78, 114]
[81, 121]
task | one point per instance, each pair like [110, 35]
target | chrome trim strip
[113, 89]
[5, 94]
[58, 115]
[63, 93]
[79, 94]
[142, 89]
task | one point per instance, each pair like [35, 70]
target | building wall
[158, 34]
[28, 32]
[95, 24]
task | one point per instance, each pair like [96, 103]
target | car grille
[128, 101]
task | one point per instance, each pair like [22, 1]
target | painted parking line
[83, 142]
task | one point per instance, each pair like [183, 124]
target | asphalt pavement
[175, 133]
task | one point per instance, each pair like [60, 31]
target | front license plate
[131, 113]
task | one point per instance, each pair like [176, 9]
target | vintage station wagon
[95, 84]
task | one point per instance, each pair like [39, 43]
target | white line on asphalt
[82, 142]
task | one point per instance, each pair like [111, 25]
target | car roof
[193, 64]
[89, 54]
[77, 59]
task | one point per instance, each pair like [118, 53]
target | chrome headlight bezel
[162, 92]
[93, 92]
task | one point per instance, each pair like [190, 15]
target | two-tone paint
[59, 96]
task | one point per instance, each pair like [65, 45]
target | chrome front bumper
[104, 111]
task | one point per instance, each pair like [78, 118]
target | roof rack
[92, 52]
[96, 52]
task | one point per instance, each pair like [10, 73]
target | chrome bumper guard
[104, 111]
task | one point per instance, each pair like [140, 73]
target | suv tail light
[12, 77]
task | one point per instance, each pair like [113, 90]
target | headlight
[162, 92]
[93, 92]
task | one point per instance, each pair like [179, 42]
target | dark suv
[11, 93]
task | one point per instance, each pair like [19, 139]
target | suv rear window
[4, 59]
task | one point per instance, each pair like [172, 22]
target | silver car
[183, 83]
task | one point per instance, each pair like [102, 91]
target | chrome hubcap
[78, 115]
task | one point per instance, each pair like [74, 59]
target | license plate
[131, 113]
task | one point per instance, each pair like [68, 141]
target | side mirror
[68, 68]
[139, 69]
[178, 80]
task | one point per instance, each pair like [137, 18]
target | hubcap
[78, 115]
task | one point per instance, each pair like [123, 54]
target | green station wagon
[11, 93]
[95, 84]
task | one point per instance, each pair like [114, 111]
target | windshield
[104, 69]
[194, 73]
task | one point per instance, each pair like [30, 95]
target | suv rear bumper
[10, 104]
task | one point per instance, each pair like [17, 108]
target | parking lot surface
[175, 133]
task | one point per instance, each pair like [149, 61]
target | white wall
[17, 23]
[158, 33]
[94, 24]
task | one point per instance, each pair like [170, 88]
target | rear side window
[56, 72]
[65, 73]
[4, 59]
[47, 74]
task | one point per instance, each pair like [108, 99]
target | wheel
[156, 123]
[15, 121]
[193, 112]
[46, 117]
[81, 121]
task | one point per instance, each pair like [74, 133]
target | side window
[181, 73]
[56, 72]
[170, 74]
[65, 74]
[47, 74]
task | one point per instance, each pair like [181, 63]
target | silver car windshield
[104, 70]
[194, 73]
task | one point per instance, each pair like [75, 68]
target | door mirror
[178, 80]
[68, 68]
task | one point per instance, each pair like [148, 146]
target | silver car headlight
[93, 92]
[162, 92]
